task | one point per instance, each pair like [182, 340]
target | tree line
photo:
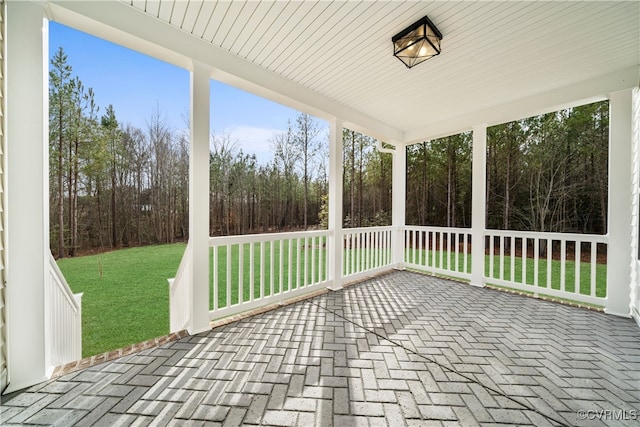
[114, 184]
[544, 173]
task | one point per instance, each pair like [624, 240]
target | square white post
[635, 207]
[335, 245]
[398, 197]
[27, 231]
[478, 203]
[619, 213]
[199, 198]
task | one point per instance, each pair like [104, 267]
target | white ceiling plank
[280, 29]
[228, 21]
[259, 29]
[179, 13]
[152, 7]
[165, 10]
[202, 20]
[294, 45]
[215, 20]
[244, 26]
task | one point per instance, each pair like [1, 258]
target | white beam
[619, 214]
[132, 28]
[478, 203]
[27, 193]
[592, 90]
[398, 212]
[199, 197]
[335, 204]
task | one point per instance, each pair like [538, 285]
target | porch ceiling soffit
[585, 92]
[504, 60]
[121, 24]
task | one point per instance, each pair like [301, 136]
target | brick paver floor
[399, 350]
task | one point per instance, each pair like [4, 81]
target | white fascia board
[122, 24]
[585, 92]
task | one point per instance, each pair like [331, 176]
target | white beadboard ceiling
[493, 53]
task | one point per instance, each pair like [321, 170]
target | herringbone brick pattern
[399, 350]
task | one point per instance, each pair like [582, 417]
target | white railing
[180, 293]
[365, 251]
[561, 265]
[438, 250]
[65, 319]
[259, 269]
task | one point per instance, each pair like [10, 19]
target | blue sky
[137, 85]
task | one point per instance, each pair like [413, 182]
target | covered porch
[572, 74]
[401, 349]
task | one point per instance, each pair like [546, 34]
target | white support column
[478, 203]
[398, 195]
[335, 204]
[199, 197]
[27, 193]
[619, 213]
[635, 207]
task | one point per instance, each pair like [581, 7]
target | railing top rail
[438, 228]
[265, 237]
[62, 284]
[598, 238]
[367, 229]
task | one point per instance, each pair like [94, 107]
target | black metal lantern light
[417, 43]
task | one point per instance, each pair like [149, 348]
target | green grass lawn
[569, 274]
[130, 302]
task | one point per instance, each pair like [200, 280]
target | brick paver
[401, 349]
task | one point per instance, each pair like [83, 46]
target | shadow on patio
[400, 349]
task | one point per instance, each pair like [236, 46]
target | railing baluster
[577, 256]
[321, 253]
[420, 247]
[594, 254]
[524, 260]
[465, 242]
[358, 238]
[272, 288]
[441, 238]
[491, 250]
[290, 266]
[262, 263]
[563, 259]
[352, 253]
[313, 260]
[229, 257]
[450, 251]
[305, 251]
[298, 253]
[252, 274]
[512, 247]
[214, 294]
[281, 272]
[412, 246]
[433, 240]
[549, 261]
[536, 250]
[456, 250]
[240, 272]
[501, 257]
